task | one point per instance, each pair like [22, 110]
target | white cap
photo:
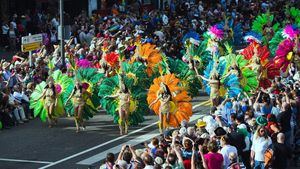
[159, 161]
[122, 163]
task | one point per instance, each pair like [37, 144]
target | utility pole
[62, 40]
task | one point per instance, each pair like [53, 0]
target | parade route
[37, 146]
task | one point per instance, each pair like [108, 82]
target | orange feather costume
[180, 106]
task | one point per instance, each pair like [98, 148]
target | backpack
[269, 156]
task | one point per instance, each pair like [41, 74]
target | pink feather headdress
[216, 32]
[83, 63]
[290, 32]
[281, 60]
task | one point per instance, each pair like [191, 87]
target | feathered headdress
[294, 13]
[290, 31]
[253, 37]
[216, 32]
[284, 54]
[262, 20]
[83, 63]
[112, 59]
[191, 35]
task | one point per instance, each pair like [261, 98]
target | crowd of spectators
[15, 92]
[168, 25]
[261, 131]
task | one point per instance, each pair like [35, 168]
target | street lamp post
[62, 40]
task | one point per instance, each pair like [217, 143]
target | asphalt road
[34, 145]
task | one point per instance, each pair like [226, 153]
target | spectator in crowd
[12, 34]
[284, 119]
[233, 161]
[261, 141]
[213, 159]
[281, 153]
[4, 35]
[109, 161]
[226, 150]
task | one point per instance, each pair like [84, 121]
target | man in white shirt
[226, 150]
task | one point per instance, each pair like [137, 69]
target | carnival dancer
[165, 98]
[218, 86]
[149, 55]
[265, 69]
[78, 103]
[232, 31]
[124, 95]
[288, 50]
[215, 84]
[124, 106]
[169, 101]
[109, 63]
[236, 65]
[264, 25]
[258, 62]
[188, 77]
[84, 96]
[292, 16]
[47, 98]
[50, 102]
[255, 63]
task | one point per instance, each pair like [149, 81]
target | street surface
[34, 145]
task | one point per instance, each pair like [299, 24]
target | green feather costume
[275, 41]
[138, 104]
[89, 78]
[294, 13]
[247, 77]
[197, 53]
[260, 22]
[188, 77]
[63, 86]
[136, 73]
